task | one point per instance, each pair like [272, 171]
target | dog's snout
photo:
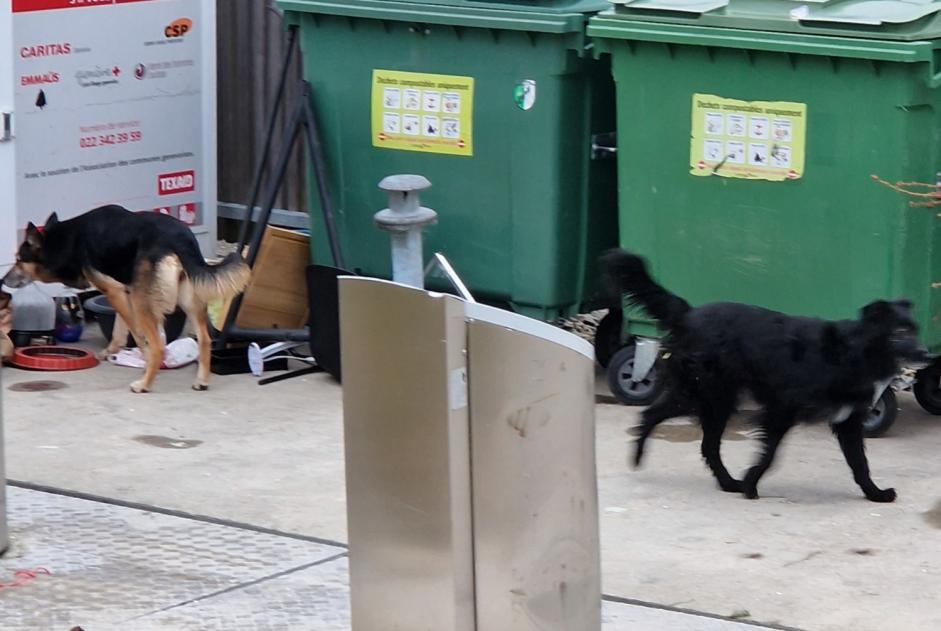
[14, 279]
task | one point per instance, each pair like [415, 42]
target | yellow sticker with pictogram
[755, 140]
[415, 111]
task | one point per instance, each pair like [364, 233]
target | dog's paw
[882, 495]
[731, 486]
[139, 386]
[105, 353]
[638, 456]
[750, 493]
[200, 387]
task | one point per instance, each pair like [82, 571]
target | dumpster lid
[579, 6]
[551, 6]
[684, 6]
[549, 16]
[876, 19]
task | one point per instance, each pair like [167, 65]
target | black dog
[795, 368]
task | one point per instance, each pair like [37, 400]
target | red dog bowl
[54, 358]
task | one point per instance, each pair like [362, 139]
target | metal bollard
[404, 220]
[4, 533]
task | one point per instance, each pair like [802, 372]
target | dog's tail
[624, 273]
[221, 281]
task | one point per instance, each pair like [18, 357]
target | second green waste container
[496, 103]
[748, 135]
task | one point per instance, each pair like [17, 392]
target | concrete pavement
[812, 553]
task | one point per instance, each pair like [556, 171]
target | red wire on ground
[21, 577]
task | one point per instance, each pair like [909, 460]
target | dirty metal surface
[311, 599]
[317, 599]
[76, 562]
[112, 567]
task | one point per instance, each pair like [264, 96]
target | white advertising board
[7, 164]
[113, 103]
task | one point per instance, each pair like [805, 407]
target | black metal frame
[302, 119]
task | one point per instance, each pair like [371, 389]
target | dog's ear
[51, 221]
[904, 303]
[877, 311]
[33, 235]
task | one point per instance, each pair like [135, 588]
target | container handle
[604, 146]
[934, 77]
[934, 73]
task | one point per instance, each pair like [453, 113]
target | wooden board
[277, 295]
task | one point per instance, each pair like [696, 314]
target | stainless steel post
[470, 466]
[4, 534]
[407, 458]
[532, 413]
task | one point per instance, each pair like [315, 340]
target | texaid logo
[178, 28]
[179, 182]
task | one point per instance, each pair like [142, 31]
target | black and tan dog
[146, 264]
[796, 368]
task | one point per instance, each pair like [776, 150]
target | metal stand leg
[645, 356]
[302, 118]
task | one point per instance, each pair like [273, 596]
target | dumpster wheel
[624, 388]
[927, 389]
[882, 415]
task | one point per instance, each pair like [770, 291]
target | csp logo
[178, 28]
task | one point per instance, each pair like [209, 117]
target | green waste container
[497, 104]
[747, 174]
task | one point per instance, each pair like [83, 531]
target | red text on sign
[173, 183]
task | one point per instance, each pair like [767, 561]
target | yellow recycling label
[414, 111]
[757, 140]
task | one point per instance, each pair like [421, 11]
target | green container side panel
[521, 220]
[823, 245]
